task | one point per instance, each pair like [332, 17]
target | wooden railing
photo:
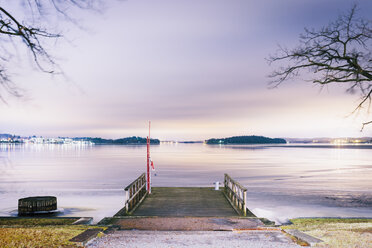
[236, 194]
[135, 193]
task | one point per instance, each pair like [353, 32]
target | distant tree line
[123, 141]
[246, 140]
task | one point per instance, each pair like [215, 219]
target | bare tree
[23, 32]
[339, 53]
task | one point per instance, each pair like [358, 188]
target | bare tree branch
[339, 53]
[34, 37]
[364, 124]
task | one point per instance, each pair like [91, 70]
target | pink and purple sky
[196, 69]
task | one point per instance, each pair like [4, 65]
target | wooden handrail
[237, 194]
[135, 193]
[143, 174]
[235, 182]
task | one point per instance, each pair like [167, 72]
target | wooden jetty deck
[185, 208]
[229, 201]
[185, 201]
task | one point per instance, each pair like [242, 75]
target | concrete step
[188, 223]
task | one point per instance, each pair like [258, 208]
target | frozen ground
[167, 239]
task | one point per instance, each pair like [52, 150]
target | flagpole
[148, 161]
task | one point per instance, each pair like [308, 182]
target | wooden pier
[229, 201]
[185, 208]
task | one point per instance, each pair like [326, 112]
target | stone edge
[310, 240]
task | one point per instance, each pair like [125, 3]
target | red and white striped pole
[148, 162]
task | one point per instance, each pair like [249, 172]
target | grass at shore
[15, 221]
[46, 236]
[336, 232]
[38, 232]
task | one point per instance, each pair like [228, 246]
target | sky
[196, 69]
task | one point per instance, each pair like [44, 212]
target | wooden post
[148, 161]
[237, 195]
[126, 201]
[135, 193]
[245, 203]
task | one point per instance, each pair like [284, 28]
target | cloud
[196, 69]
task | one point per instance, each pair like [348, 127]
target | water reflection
[282, 181]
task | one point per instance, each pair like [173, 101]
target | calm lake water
[282, 181]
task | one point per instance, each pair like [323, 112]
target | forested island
[123, 141]
[246, 140]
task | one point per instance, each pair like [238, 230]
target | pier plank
[185, 201]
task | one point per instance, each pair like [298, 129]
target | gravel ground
[167, 239]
